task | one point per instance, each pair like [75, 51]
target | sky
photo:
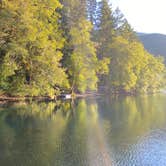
[144, 15]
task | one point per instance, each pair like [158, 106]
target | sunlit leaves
[31, 52]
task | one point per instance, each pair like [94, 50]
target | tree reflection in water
[121, 131]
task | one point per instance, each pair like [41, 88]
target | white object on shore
[66, 96]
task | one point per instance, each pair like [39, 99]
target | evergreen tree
[103, 36]
[122, 27]
[92, 11]
[106, 30]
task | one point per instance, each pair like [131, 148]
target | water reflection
[123, 131]
[135, 121]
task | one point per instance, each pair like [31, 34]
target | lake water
[105, 131]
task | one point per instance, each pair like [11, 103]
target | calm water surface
[124, 131]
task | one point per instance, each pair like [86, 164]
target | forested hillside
[154, 43]
[78, 45]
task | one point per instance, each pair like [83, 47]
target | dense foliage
[30, 45]
[80, 45]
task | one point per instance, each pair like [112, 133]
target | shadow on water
[123, 131]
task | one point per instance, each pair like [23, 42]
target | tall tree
[104, 34]
[105, 30]
[122, 27]
[80, 59]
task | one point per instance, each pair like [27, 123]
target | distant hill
[141, 34]
[154, 43]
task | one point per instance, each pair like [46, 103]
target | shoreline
[5, 98]
[19, 98]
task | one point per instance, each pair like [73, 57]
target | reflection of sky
[151, 150]
[144, 15]
[98, 148]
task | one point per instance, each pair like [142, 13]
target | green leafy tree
[30, 48]
[152, 75]
[126, 62]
